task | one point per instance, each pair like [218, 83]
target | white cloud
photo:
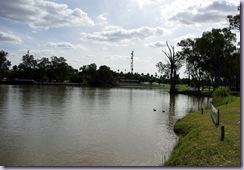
[142, 3]
[9, 37]
[195, 12]
[114, 35]
[117, 57]
[65, 45]
[90, 56]
[43, 14]
[102, 19]
[189, 35]
[157, 44]
[38, 53]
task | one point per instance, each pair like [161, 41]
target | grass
[199, 140]
[182, 87]
[179, 87]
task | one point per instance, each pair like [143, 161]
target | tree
[104, 75]
[14, 73]
[235, 20]
[59, 69]
[28, 66]
[4, 64]
[175, 62]
[231, 75]
[207, 56]
[214, 46]
[163, 69]
[44, 65]
[28, 62]
[89, 73]
[194, 61]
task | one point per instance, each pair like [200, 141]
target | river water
[78, 126]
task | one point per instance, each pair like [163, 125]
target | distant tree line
[56, 69]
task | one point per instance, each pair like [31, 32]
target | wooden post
[222, 133]
[202, 110]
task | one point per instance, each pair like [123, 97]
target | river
[81, 126]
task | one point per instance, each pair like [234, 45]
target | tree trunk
[189, 80]
[172, 81]
[209, 85]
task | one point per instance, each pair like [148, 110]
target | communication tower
[131, 66]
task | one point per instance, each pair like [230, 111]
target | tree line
[56, 69]
[211, 60]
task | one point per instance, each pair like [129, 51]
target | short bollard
[222, 133]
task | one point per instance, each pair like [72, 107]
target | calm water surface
[74, 126]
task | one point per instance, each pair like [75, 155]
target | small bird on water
[154, 110]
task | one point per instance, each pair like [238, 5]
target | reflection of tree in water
[197, 103]
[4, 91]
[171, 111]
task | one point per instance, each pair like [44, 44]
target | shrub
[221, 92]
[222, 96]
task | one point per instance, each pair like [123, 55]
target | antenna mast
[131, 66]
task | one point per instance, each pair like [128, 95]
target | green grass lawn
[179, 87]
[199, 140]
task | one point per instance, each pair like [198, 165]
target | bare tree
[175, 62]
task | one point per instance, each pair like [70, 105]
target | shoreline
[199, 140]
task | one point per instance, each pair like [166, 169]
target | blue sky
[106, 31]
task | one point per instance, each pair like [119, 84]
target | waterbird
[163, 111]
[154, 110]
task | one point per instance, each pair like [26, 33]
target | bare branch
[169, 49]
[167, 55]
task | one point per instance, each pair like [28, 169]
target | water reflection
[71, 126]
[4, 97]
[171, 112]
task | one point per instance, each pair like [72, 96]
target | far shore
[180, 88]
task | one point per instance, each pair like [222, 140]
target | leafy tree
[44, 65]
[4, 64]
[104, 75]
[214, 46]
[231, 72]
[151, 79]
[28, 66]
[76, 77]
[163, 69]
[59, 69]
[89, 73]
[160, 80]
[194, 63]
[28, 62]
[207, 56]
[234, 21]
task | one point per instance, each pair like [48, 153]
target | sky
[105, 32]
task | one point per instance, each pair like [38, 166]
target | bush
[221, 92]
[222, 96]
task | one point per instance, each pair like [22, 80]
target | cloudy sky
[105, 32]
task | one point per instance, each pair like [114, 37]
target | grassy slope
[199, 140]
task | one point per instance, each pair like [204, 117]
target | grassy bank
[199, 140]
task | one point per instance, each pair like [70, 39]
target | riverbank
[199, 140]
[33, 82]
